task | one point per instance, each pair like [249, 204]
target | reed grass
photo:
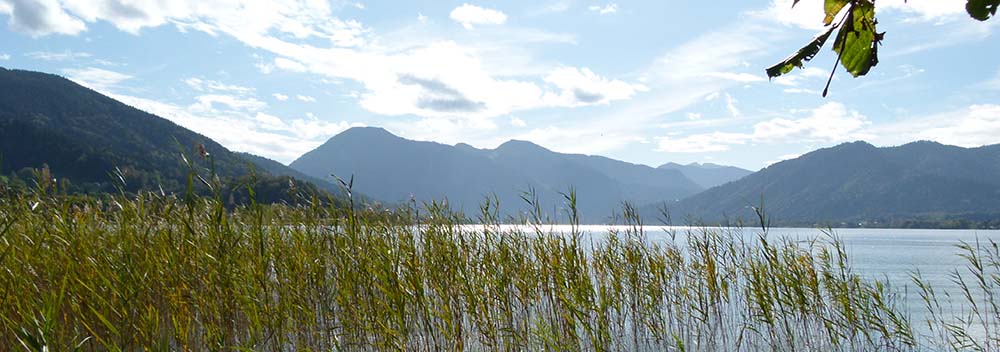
[158, 272]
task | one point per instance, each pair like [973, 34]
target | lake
[889, 254]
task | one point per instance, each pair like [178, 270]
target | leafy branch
[857, 41]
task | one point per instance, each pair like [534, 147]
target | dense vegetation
[160, 272]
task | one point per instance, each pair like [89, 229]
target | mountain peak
[520, 145]
[366, 132]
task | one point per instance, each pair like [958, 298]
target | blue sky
[642, 81]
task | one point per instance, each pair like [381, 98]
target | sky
[647, 82]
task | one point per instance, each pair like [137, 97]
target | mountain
[708, 175]
[83, 136]
[857, 182]
[391, 168]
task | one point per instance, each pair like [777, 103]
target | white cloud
[468, 15]
[701, 143]
[203, 85]
[236, 122]
[558, 6]
[830, 122]
[973, 126]
[40, 17]
[210, 102]
[264, 67]
[280, 97]
[517, 122]
[96, 78]
[715, 57]
[4, 56]
[427, 78]
[253, 132]
[289, 65]
[604, 10]
[66, 55]
[731, 106]
[298, 19]
[948, 34]
[583, 87]
[305, 98]
[421, 18]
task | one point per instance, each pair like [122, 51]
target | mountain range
[395, 169]
[858, 184]
[101, 145]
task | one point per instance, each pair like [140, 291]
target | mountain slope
[708, 175]
[275, 168]
[84, 136]
[857, 182]
[392, 168]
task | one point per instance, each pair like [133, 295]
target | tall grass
[157, 272]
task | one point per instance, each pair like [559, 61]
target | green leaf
[800, 57]
[832, 8]
[982, 9]
[857, 42]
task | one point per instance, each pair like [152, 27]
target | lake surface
[888, 254]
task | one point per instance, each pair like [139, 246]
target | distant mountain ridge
[860, 183]
[391, 168]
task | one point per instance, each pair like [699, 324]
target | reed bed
[158, 272]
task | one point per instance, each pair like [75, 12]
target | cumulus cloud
[830, 122]
[305, 98]
[4, 56]
[436, 80]
[583, 87]
[280, 97]
[430, 79]
[604, 10]
[40, 17]
[468, 15]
